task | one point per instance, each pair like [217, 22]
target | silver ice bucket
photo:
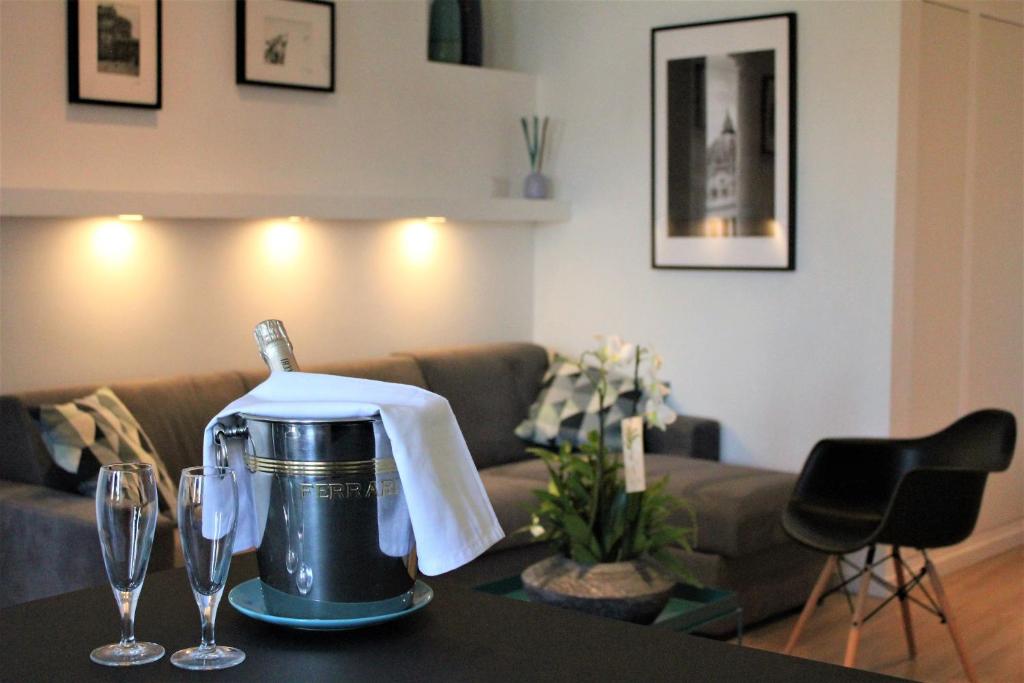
[335, 539]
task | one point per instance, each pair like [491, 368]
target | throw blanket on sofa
[452, 517]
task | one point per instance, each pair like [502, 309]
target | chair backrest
[982, 441]
[938, 499]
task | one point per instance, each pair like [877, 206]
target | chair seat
[830, 529]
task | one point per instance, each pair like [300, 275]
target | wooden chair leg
[812, 602]
[954, 632]
[858, 613]
[901, 583]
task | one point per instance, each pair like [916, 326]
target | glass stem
[126, 602]
[207, 617]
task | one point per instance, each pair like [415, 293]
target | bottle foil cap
[269, 332]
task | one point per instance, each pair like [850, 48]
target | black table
[463, 635]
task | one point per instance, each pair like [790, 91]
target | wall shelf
[43, 203]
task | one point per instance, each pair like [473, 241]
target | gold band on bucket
[254, 463]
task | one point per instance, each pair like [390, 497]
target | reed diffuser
[535, 132]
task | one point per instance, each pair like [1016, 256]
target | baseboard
[978, 547]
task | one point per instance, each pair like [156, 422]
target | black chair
[918, 493]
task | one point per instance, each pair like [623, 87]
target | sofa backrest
[173, 411]
[490, 388]
[398, 369]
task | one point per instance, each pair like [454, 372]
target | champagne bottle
[275, 347]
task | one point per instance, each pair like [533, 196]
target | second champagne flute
[207, 518]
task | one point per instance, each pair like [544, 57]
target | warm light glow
[435, 219]
[113, 241]
[714, 227]
[419, 241]
[296, 219]
[283, 242]
[135, 217]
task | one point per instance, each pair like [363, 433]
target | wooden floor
[987, 599]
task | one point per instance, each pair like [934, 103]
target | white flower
[536, 530]
[656, 411]
[614, 351]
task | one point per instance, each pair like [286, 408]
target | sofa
[49, 544]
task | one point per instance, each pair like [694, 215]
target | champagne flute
[126, 512]
[207, 518]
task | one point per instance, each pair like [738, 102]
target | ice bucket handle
[221, 434]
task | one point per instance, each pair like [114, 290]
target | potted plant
[614, 557]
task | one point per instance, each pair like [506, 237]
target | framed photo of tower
[723, 144]
[114, 52]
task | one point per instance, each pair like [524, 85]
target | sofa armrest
[697, 437]
[49, 543]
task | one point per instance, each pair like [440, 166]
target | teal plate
[247, 597]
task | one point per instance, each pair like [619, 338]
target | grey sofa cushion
[23, 457]
[490, 388]
[96, 430]
[49, 544]
[173, 411]
[512, 500]
[739, 508]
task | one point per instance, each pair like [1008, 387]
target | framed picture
[285, 43]
[723, 144]
[114, 52]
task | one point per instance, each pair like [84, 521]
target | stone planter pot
[630, 591]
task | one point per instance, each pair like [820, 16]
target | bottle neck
[279, 357]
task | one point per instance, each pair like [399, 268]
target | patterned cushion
[567, 408]
[95, 430]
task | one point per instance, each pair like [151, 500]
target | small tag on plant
[633, 454]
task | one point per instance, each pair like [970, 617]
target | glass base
[127, 655]
[199, 659]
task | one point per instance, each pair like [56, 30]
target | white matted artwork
[285, 43]
[114, 52]
[723, 144]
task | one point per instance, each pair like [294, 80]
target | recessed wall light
[435, 219]
[113, 241]
[130, 217]
[283, 242]
[419, 241]
[296, 219]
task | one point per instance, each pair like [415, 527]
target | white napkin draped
[452, 517]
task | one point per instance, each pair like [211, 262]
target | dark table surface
[463, 635]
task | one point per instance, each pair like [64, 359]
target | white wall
[187, 295]
[397, 125]
[782, 359]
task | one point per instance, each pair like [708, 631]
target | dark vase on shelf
[445, 31]
[536, 186]
[471, 16]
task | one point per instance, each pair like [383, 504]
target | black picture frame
[107, 68]
[720, 200]
[768, 115]
[249, 71]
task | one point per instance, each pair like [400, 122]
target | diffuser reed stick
[535, 132]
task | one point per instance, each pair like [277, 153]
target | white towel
[452, 517]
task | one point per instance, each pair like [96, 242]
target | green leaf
[614, 524]
[577, 529]
[583, 555]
